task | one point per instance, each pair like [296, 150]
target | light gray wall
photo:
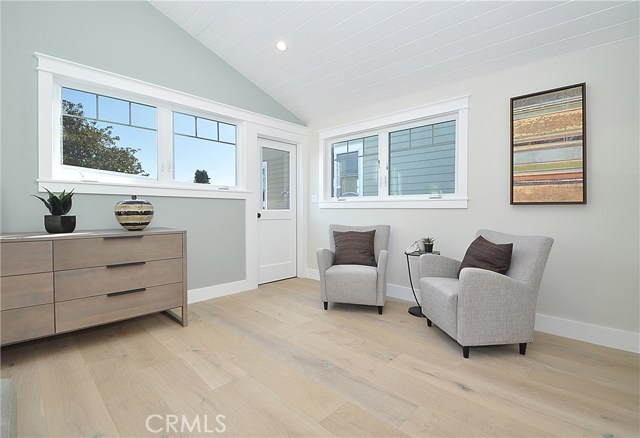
[136, 40]
[592, 273]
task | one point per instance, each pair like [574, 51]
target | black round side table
[416, 310]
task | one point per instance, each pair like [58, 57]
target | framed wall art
[548, 147]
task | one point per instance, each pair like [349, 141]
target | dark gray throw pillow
[354, 248]
[487, 255]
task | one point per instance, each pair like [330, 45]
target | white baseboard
[219, 290]
[594, 334]
[313, 274]
[401, 292]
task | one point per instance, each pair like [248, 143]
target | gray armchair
[483, 307]
[355, 284]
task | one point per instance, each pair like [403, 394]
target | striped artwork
[548, 147]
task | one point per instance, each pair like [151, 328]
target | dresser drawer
[25, 258]
[87, 312]
[87, 282]
[87, 253]
[26, 290]
[27, 323]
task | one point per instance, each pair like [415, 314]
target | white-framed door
[277, 211]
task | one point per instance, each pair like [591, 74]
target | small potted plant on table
[428, 243]
[58, 206]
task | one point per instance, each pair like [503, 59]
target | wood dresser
[56, 283]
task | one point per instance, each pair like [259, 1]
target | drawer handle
[125, 292]
[123, 265]
[137, 236]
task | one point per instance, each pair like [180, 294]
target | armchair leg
[326, 305]
[523, 348]
[465, 352]
[380, 310]
[428, 322]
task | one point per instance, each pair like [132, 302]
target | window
[111, 139]
[422, 160]
[275, 179]
[103, 133]
[105, 137]
[412, 159]
[355, 167]
[206, 147]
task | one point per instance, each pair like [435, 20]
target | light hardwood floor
[274, 363]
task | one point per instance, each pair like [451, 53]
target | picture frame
[548, 147]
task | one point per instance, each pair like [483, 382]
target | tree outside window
[100, 132]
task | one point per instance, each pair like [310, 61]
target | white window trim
[458, 108]
[54, 73]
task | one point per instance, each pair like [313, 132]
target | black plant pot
[428, 247]
[59, 224]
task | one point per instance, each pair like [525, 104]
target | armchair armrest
[438, 266]
[494, 308]
[382, 275]
[382, 262]
[326, 258]
[482, 285]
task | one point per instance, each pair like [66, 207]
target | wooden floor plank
[441, 378]
[449, 402]
[73, 404]
[311, 398]
[352, 421]
[21, 366]
[251, 327]
[567, 407]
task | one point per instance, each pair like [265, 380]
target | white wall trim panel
[218, 290]
[594, 334]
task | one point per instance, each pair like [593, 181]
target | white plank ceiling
[347, 53]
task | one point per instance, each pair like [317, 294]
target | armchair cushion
[354, 248]
[352, 284]
[483, 254]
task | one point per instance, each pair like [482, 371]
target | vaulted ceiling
[346, 53]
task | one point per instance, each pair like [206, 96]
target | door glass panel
[275, 179]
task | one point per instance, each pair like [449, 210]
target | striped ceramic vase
[134, 214]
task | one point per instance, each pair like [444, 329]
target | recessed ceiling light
[281, 45]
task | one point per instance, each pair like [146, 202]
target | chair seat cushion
[440, 302]
[356, 284]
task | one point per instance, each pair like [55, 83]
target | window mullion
[56, 128]
[383, 157]
[165, 144]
